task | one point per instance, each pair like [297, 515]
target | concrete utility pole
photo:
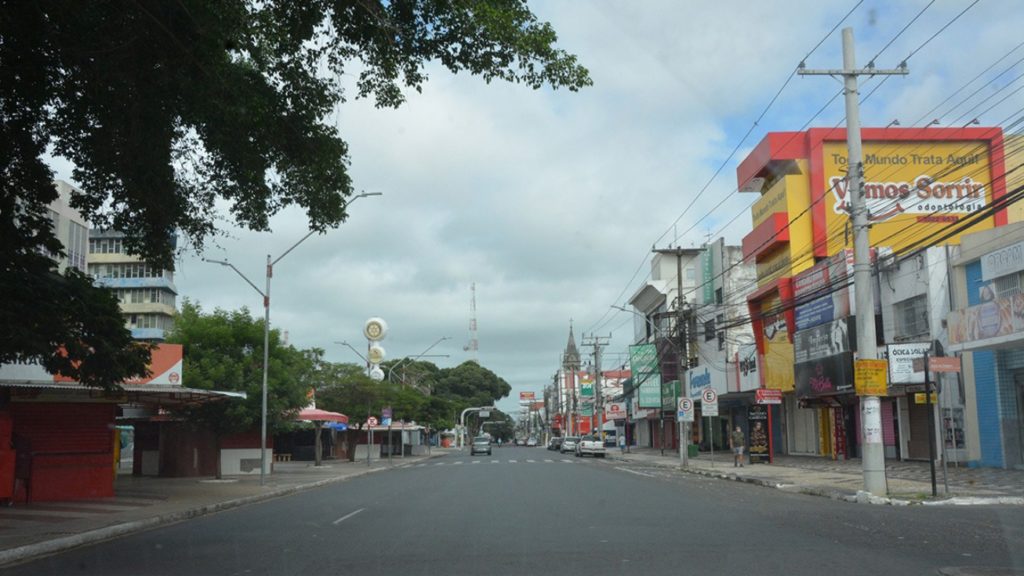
[872, 451]
[597, 342]
[682, 354]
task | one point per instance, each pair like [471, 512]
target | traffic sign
[709, 402]
[685, 412]
[386, 421]
[371, 421]
[938, 364]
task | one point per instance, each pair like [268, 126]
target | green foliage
[165, 108]
[224, 351]
[471, 384]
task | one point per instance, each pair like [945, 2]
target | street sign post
[709, 407]
[685, 412]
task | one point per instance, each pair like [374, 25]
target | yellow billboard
[914, 191]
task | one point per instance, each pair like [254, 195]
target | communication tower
[472, 346]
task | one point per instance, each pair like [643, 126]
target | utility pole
[682, 355]
[872, 451]
[597, 342]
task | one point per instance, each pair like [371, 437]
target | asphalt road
[529, 511]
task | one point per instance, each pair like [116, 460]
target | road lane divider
[347, 516]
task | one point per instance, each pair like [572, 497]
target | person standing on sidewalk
[737, 441]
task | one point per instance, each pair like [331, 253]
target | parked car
[590, 445]
[481, 445]
[555, 443]
[569, 444]
[531, 442]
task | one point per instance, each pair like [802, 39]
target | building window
[720, 319]
[691, 273]
[709, 330]
[912, 318]
[1008, 286]
[719, 296]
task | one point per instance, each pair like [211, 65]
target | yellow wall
[1014, 158]
[790, 194]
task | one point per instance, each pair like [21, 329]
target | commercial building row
[770, 325]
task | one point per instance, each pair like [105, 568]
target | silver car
[569, 444]
[480, 445]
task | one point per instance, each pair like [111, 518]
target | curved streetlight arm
[353, 349]
[311, 232]
[651, 324]
[237, 271]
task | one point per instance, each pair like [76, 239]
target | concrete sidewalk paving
[29, 531]
[908, 481]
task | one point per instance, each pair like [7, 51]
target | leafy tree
[164, 108]
[224, 351]
[472, 384]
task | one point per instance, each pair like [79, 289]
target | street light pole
[266, 332]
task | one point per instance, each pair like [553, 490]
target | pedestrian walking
[737, 441]
[622, 443]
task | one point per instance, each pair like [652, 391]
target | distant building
[147, 294]
[70, 228]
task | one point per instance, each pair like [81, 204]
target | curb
[28, 552]
[858, 497]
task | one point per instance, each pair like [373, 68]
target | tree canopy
[164, 108]
[224, 351]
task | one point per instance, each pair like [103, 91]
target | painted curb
[28, 552]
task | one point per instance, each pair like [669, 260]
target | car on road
[590, 445]
[531, 442]
[481, 445]
[569, 444]
[555, 443]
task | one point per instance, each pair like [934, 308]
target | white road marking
[532, 461]
[566, 460]
[476, 461]
[549, 461]
[495, 462]
[457, 462]
[634, 472]
[347, 516]
[512, 461]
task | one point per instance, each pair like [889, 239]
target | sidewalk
[842, 479]
[140, 503]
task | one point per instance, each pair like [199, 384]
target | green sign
[649, 392]
[670, 395]
[643, 359]
[708, 272]
[586, 409]
[587, 389]
[643, 362]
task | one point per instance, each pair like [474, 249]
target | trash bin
[692, 451]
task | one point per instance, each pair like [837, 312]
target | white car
[531, 442]
[590, 445]
[569, 444]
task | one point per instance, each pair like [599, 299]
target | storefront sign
[901, 362]
[822, 341]
[615, 411]
[669, 395]
[527, 396]
[165, 367]
[643, 363]
[757, 416]
[822, 292]
[922, 398]
[766, 396]
[938, 364]
[747, 376]
[997, 318]
[778, 357]
[871, 377]
[911, 194]
[825, 376]
[1002, 262]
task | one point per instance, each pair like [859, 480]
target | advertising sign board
[901, 362]
[757, 417]
[870, 377]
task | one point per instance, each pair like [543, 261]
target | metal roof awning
[141, 394]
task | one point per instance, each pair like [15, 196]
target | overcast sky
[549, 201]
